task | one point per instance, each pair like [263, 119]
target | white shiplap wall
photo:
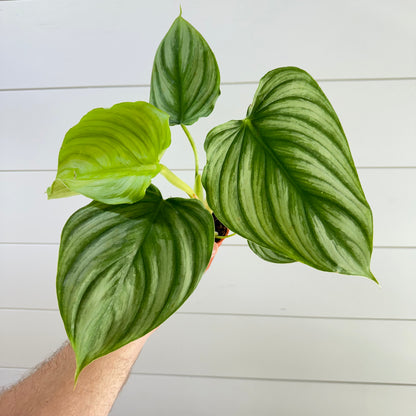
[255, 338]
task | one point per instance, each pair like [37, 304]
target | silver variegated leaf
[284, 177]
[124, 269]
[268, 254]
[185, 77]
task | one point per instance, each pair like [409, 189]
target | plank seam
[245, 315]
[192, 170]
[277, 379]
[226, 244]
[266, 379]
[54, 170]
[79, 87]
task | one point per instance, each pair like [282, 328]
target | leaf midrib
[266, 148]
[100, 174]
[136, 251]
[304, 195]
[179, 72]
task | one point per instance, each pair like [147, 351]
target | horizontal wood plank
[10, 376]
[27, 215]
[282, 348]
[160, 395]
[374, 114]
[91, 43]
[236, 286]
[155, 395]
[236, 346]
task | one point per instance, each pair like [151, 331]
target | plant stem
[176, 181]
[198, 185]
[191, 141]
[223, 237]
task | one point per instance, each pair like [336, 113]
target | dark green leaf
[284, 177]
[124, 269]
[268, 254]
[185, 77]
[112, 154]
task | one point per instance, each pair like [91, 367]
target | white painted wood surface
[205, 396]
[244, 346]
[255, 338]
[67, 43]
[369, 111]
[40, 220]
[232, 286]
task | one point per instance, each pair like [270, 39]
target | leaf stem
[223, 237]
[198, 185]
[176, 181]
[191, 141]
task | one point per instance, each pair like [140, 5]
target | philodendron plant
[282, 177]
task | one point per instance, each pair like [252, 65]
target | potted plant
[282, 177]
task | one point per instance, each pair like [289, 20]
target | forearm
[49, 391]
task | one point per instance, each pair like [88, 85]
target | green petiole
[178, 182]
[198, 184]
[191, 141]
[223, 237]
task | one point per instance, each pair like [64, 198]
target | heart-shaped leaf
[267, 254]
[284, 177]
[185, 77]
[112, 154]
[124, 269]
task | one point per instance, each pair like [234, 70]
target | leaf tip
[180, 10]
[77, 372]
[58, 189]
[372, 277]
[80, 365]
[48, 192]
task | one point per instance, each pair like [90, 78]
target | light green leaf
[112, 154]
[284, 177]
[124, 269]
[185, 77]
[268, 254]
[59, 190]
